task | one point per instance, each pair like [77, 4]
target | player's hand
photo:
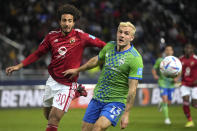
[156, 77]
[195, 82]
[71, 72]
[124, 120]
[176, 79]
[10, 69]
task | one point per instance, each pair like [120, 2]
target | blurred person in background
[115, 91]
[189, 82]
[66, 46]
[166, 85]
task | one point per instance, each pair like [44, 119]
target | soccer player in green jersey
[115, 91]
[166, 85]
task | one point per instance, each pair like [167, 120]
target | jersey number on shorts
[116, 110]
[61, 98]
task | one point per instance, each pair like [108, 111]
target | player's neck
[66, 33]
[188, 55]
[123, 48]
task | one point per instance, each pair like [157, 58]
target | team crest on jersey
[121, 61]
[62, 51]
[192, 63]
[72, 40]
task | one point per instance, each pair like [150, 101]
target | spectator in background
[156, 19]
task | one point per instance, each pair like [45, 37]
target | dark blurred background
[158, 23]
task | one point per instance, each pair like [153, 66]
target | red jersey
[189, 70]
[66, 52]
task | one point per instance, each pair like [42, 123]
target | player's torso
[113, 81]
[189, 69]
[65, 49]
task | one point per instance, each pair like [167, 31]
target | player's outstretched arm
[10, 69]
[130, 101]
[93, 62]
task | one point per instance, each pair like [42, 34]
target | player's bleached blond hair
[129, 24]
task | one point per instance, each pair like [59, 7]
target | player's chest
[116, 61]
[60, 45]
[192, 63]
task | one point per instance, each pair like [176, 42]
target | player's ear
[132, 37]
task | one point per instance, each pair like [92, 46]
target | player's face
[124, 36]
[188, 49]
[169, 51]
[67, 23]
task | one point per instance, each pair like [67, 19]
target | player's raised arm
[93, 62]
[130, 101]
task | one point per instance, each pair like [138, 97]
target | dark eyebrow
[67, 19]
[127, 31]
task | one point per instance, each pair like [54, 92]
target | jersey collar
[121, 52]
[69, 34]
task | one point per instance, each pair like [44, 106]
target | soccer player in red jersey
[189, 82]
[66, 46]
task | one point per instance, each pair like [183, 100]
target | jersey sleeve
[91, 40]
[42, 49]
[136, 68]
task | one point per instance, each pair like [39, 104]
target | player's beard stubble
[66, 29]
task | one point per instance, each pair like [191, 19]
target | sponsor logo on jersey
[62, 51]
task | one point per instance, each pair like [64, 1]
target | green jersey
[118, 68]
[163, 81]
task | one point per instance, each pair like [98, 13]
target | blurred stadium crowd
[158, 23]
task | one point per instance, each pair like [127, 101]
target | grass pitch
[141, 119]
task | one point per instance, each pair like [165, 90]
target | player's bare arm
[10, 69]
[154, 72]
[130, 101]
[93, 62]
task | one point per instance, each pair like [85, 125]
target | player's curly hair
[68, 9]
